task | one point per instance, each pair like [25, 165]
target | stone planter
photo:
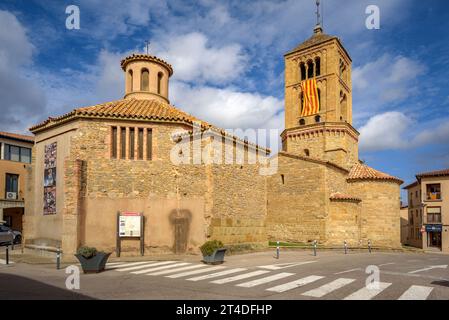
[95, 264]
[215, 258]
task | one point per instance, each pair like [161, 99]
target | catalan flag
[311, 103]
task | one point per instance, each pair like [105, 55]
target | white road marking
[347, 271]
[294, 284]
[121, 265]
[190, 273]
[260, 281]
[150, 270]
[444, 266]
[217, 274]
[368, 293]
[280, 266]
[196, 266]
[4, 262]
[240, 277]
[152, 264]
[416, 293]
[328, 288]
[386, 264]
[114, 263]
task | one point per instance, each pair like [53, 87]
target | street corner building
[96, 161]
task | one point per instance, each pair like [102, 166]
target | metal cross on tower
[318, 16]
[147, 45]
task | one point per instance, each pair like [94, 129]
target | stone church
[93, 162]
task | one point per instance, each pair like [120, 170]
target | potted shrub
[213, 252]
[92, 261]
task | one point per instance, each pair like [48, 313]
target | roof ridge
[361, 171]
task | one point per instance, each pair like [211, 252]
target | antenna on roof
[148, 45]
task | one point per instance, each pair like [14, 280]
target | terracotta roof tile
[148, 109]
[364, 172]
[437, 173]
[125, 108]
[313, 40]
[411, 185]
[17, 136]
[341, 196]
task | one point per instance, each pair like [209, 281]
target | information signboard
[129, 224]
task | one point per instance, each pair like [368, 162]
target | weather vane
[318, 13]
[147, 45]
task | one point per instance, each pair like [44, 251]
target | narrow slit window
[131, 143]
[114, 142]
[123, 143]
[149, 154]
[140, 144]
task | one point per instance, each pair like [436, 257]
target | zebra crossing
[271, 279]
[2, 261]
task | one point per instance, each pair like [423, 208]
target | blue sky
[228, 62]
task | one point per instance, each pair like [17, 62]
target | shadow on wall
[180, 221]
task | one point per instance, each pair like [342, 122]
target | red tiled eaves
[148, 109]
[364, 172]
[16, 136]
[438, 173]
[310, 159]
[341, 196]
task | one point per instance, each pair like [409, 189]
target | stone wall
[380, 211]
[296, 201]
[344, 223]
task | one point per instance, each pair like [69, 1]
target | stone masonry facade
[319, 190]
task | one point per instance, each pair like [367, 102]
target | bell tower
[327, 134]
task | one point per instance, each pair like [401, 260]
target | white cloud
[395, 130]
[21, 98]
[195, 60]
[384, 131]
[384, 83]
[437, 135]
[228, 108]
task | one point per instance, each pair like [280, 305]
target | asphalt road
[296, 275]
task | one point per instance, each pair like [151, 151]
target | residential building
[15, 160]
[428, 210]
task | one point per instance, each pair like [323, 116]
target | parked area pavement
[295, 275]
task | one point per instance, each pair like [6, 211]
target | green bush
[87, 252]
[210, 246]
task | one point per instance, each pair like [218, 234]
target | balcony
[433, 196]
[433, 192]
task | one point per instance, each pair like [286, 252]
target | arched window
[310, 69]
[302, 122]
[319, 99]
[129, 82]
[302, 68]
[145, 80]
[343, 106]
[301, 102]
[159, 82]
[317, 67]
[317, 118]
[306, 152]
